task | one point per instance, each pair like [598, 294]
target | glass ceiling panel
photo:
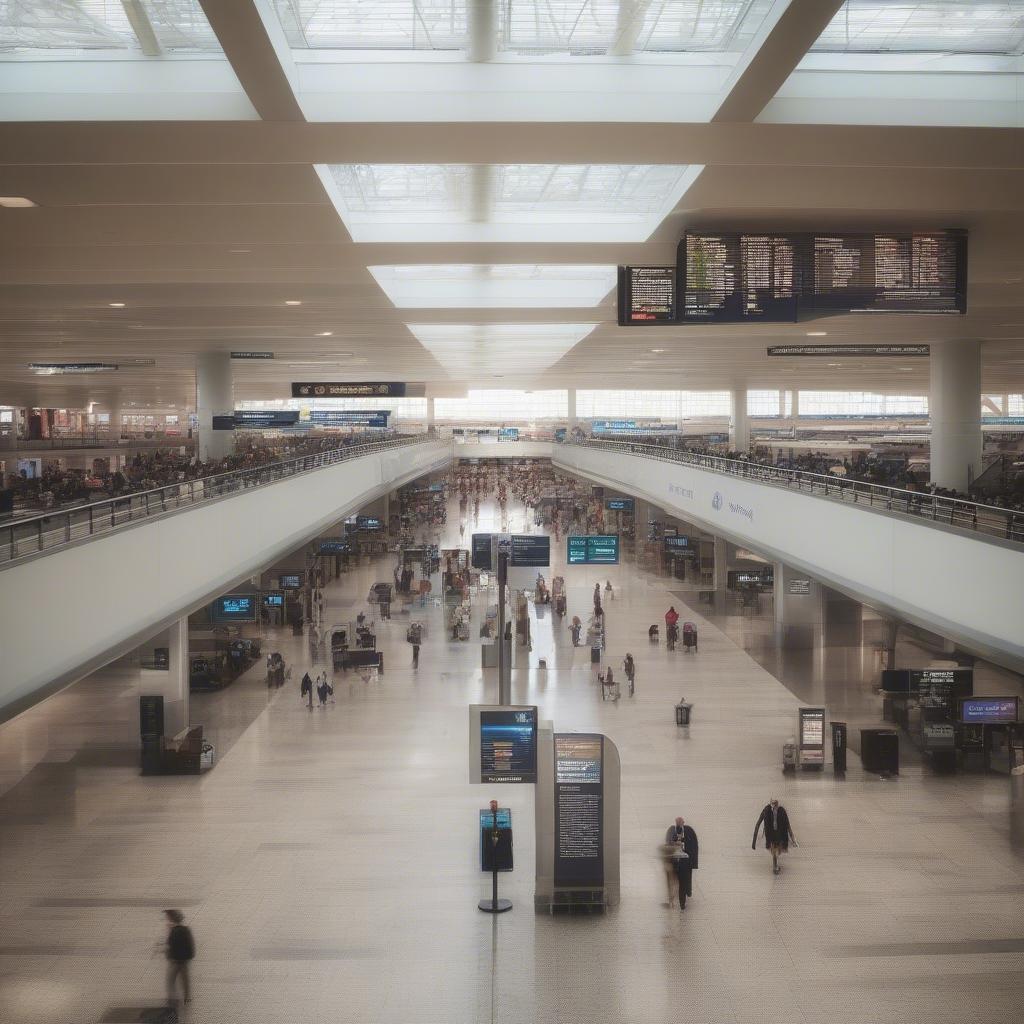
[177, 26]
[495, 286]
[926, 26]
[469, 350]
[526, 27]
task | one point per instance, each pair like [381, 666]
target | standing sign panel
[812, 736]
[579, 812]
[502, 743]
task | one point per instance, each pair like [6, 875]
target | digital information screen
[646, 296]
[620, 504]
[349, 418]
[812, 735]
[530, 550]
[290, 582]
[368, 523]
[989, 710]
[273, 598]
[941, 688]
[235, 608]
[595, 549]
[480, 552]
[262, 419]
[499, 856]
[579, 818]
[730, 278]
[508, 745]
[332, 546]
[677, 543]
[338, 389]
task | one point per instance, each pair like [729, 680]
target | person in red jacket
[671, 628]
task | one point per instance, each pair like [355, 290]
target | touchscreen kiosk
[812, 737]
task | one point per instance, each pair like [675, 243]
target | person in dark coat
[684, 859]
[306, 688]
[777, 832]
[180, 950]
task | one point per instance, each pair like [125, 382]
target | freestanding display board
[579, 784]
[502, 743]
[811, 737]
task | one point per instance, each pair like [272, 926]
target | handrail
[989, 520]
[48, 531]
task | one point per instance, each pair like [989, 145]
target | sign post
[494, 905]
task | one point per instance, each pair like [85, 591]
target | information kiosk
[811, 737]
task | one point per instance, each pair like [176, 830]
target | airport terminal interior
[511, 512]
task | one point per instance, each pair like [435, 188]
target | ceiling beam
[752, 144]
[757, 79]
[142, 27]
[263, 64]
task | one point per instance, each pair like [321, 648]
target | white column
[799, 608]
[739, 426]
[483, 30]
[954, 408]
[721, 568]
[214, 397]
[430, 416]
[114, 427]
[628, 23]
[170, 683]
[571, 418]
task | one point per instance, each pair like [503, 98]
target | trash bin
[683, 712]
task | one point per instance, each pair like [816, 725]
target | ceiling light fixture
[15, 202]
[659, 351]
[325, 334]
[116, 305]
[817, 334]
[293, 302]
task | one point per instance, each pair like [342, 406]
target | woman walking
[777, 832]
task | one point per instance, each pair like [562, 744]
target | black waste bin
[683, 712]
[880, 751]
[595, 655]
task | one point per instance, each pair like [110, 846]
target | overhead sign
[252, 355]
[332, 546]
[337, 389]
[579, 810]
[349, 417]
[940, 688]
[646, 296]
[261, 419]
[599, 549]
[619, 504]
[530, 550]
[903, 351]
[54, 369]
[480, 552]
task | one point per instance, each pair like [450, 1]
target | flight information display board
[939, 689]
[647, 296]
[234, 608]
[620, 505]
[734, 277]
[530, 549]
[595, 549]
[508, 745]
[579, 811]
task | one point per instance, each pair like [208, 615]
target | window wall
[400, 408]
[861, 403]
[666, 405]
[498, 406]
[764, 403]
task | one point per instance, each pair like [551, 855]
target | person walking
[671, 627]
[630, 668]
[777, 832]
[306, 689]
[575, 630]
[681, 840]
[597, 596]
[181, 950]
[321, 690]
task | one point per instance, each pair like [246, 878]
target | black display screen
[736, 277]
[619, 504]
[579, 810]
[332, 546]
[647, 295]
[594, 549]
[235, 608]
[508, 745]
[939, 689]
[530, 550]
[290, 582]
[481, 552]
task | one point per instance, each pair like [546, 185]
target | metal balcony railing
[988, 520]
[49, 531]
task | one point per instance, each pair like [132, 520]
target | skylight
[524, 27]
[475, 350]
[495, 286]
[149, 27]
[504, 202]
[926, 26]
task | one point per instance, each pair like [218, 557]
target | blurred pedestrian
[777, 832]
[181, 950]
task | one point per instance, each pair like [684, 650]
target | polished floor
[329, 866]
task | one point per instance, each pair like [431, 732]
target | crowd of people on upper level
[145, 471]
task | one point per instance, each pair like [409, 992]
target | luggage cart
[689, 637]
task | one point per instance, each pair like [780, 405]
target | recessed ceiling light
[116, 305]
[325, 334]
[658, 351]
[835, 364]
[293, 302]
[817, 334]
[238, 252]
[15, 202]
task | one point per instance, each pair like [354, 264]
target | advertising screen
[989, 710]
[596, 549]
[579, 811]
[235, 608]
[291, 581]
[508, 745]
[812, 736]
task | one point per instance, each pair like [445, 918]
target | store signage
[903, 351]
[336, 389]
[252, 355]
[798, 587]
[600, 549]
[54, 369]
[579, 810]
[989, 710]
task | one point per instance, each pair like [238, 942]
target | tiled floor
[328, 865]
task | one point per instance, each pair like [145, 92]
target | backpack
[181, 944]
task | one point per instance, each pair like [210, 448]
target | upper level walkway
[81, 586]
[947, 565]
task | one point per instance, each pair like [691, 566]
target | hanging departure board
[730, 278]
[647, 295]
